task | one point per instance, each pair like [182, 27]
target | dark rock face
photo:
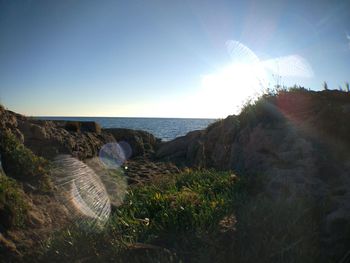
[208, 148]
[298, 140]
[41, 212]
[141, 142]
[78, 126]
[50, 138]
[182, 149]
[80, 139]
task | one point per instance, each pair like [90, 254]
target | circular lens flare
[113, 155]
[82, 191]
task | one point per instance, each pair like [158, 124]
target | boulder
[50, 138]
[81, 126]
[179, 149]
[141, 142]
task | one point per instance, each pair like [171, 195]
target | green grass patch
[182, 217]
[22, 164]
[179, 213]
[12, 205]
[188, 202]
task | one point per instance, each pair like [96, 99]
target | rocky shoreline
[298, 141]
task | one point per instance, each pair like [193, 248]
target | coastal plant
[179, 213]
[325, 85]
[193, 201]
[21, 163]
[12, 204]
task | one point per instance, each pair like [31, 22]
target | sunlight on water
[87, 192]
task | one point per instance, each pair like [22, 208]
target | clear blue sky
[148, 58]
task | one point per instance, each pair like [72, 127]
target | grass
[181, 217]
[12, 204]
[178, 218]
[178, 215]
[22, 164]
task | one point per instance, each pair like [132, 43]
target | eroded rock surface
[141, 142]
[298, 140]
[41, 213]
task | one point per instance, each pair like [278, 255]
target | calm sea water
[164, 128]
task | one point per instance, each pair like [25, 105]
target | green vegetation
[21, 163]
[198, 215]
[180, 213]
[12, 204]
[274, 105]
[191, 218]
[325, 85]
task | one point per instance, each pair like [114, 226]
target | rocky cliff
[29, 209]
[293, 144]
[297, 140]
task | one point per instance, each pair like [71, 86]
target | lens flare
[246, 78]
[289, 66]
[232, 85]
[240, 53]
[113, 180]
[113, 155]
[82, 191]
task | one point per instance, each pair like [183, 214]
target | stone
[141, 142]
[298, 140]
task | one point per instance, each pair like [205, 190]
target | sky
[165, 58]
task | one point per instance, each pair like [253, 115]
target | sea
[163, 128]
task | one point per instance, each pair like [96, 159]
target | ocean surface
[163, 128]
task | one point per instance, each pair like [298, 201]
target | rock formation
[141, 142]
[29, 211]
[298, 140]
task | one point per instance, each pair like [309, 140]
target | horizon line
[133, 117]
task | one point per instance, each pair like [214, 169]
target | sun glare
[228, 88]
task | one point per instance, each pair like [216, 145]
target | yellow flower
[157, 196]
[213, 204]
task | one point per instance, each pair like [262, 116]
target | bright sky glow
[229, 87]
[186, 58]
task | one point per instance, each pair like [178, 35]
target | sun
[225, 90]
